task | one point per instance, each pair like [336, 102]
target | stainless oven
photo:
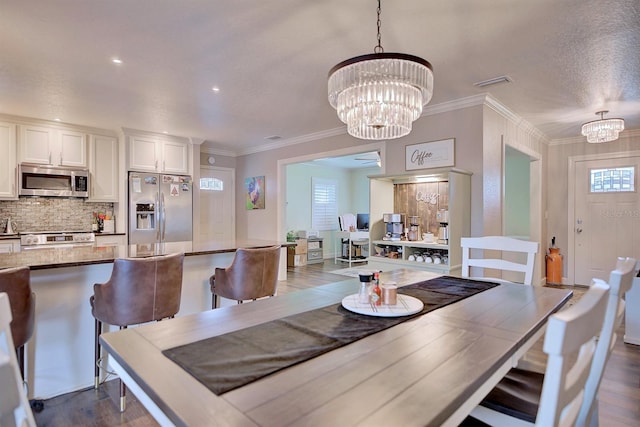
[52, 239]
[38, 180]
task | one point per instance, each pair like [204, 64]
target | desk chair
[139, 290]
[253, 274]
[503, 244]
[16, 283]
[14, 405]
[521, 392]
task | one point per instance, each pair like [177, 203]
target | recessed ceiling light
[117, 61]
[493, 81]
[57, 119]
[165, 132]
[215, 89]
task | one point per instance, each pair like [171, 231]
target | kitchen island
[59, 356]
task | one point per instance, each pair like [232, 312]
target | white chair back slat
[503, 244]
[14, 405]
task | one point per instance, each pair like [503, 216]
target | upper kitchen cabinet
[103, 165]
[8, 163]
[53, 147]
[148, 154]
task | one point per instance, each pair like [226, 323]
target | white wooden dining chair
[506, 245]
[14, 405]
[570, 343]
[620, 281]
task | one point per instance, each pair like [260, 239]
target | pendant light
[602, 130]
[379, 95]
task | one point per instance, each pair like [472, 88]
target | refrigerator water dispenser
[145, 216]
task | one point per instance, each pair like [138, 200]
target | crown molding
[217, 151]
[296, 140]
[456, 104]
[19, 120]
[158, 135]
[521, 123]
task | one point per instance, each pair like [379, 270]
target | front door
[606, 220]
[217, 205]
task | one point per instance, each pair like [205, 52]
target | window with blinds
[324, 209]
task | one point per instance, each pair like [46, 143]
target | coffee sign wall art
[427, 155]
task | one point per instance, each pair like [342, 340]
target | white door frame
[571, 262]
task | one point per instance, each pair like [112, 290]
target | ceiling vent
[493, 81]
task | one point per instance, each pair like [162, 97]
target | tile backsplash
[50, 214]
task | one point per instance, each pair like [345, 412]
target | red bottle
[376, 292]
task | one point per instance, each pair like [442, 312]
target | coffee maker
[443, 231]
[414, 229]
[394, 226]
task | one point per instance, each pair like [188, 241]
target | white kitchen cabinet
[389, 254]
[8, 246]
[73, 148]
[147, 154]
[8, 161]
[175, 157]
[103, 165]
[111, 239]
[53, 147]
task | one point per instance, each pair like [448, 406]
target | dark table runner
[225, 362]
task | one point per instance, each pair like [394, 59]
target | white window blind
[324, 209]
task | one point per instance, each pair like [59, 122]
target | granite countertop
[38, 259]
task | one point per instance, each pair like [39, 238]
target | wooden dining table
[430, 370]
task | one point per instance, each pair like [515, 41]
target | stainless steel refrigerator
[160, 208]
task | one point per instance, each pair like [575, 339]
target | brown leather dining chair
[16, 283]
[139, 290]
[253, 274]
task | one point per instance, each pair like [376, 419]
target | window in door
[612, 180]
[324, 209]
[211, 184]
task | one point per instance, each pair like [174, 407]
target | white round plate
[406, 306]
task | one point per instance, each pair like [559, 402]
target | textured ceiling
[567, 59]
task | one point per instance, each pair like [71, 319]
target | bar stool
[16, 283]
[253, 274]
[139, 290]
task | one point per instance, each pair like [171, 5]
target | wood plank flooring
[619, 393]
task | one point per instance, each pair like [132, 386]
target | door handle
[578, 230]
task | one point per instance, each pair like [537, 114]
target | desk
[431, 370]
[350, 236]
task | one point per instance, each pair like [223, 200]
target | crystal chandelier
[379, 95]
[603, 130]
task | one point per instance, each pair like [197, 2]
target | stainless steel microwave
[39, 180]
